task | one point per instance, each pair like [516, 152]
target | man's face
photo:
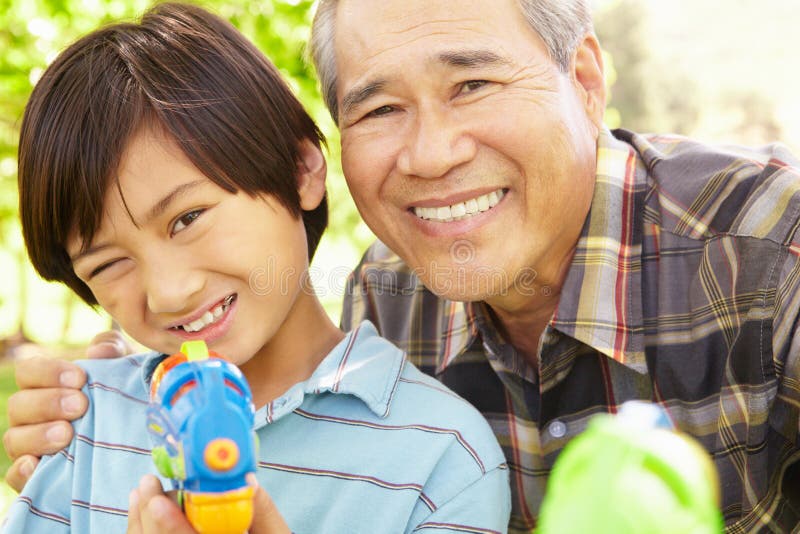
[466, 149]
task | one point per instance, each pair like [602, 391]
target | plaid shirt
[684, 290]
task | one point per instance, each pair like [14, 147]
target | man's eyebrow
[471, 58]
[356, 96]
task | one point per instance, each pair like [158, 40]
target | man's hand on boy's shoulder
[39, 413]
[151, 511]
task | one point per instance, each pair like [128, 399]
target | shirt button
[557, 429]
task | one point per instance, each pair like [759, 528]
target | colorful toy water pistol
[632, 474]
[201, 423]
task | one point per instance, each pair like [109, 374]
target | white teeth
[461, 210]
[197, 325]
[208, 317]
[458, 210]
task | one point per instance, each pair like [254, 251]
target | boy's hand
[40, 412]
[152, 512]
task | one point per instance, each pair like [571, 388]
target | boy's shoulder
[124, 376]
[422, 398]
[416, 400]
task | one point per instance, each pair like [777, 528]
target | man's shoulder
[702, 190]
[386, 291]
[381, 267]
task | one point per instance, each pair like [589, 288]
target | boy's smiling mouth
[209, 317]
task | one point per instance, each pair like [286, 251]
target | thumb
[267, 519]
[110, 344]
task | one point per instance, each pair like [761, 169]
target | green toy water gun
[632, 474]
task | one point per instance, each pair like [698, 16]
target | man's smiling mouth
[461, 210]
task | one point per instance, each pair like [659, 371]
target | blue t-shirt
[366, 444]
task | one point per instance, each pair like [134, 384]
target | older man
[543, 267]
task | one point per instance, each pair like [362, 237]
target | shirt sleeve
[46, 500]
[785, 413]
[483, 507]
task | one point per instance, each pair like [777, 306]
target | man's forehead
[395, 23]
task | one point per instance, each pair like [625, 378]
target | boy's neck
[292, 355]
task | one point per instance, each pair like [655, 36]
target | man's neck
[524, 328]
[523, 318]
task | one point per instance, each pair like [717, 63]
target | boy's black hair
[180, 69]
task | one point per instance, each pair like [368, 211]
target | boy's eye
[185, 220]
[101, 268]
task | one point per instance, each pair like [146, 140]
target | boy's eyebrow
[158, 209]
[88, 252]
[161, 206]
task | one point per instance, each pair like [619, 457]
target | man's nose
[436, 143]
[170, 286]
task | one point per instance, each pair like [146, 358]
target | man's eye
[185, 220]
[381, 111]
[472, 85]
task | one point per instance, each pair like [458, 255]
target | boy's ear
[311, 172]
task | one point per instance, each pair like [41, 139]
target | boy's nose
[170, 289]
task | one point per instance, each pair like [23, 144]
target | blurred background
[713, 69]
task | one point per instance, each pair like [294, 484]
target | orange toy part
[221, 454]
[171, 361]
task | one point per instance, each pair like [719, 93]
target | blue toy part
[200, 420]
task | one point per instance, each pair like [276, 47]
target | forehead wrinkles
[370, 51]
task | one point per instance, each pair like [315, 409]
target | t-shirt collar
[363, 364]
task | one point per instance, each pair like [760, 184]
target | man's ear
[589, 77]
[311, 172]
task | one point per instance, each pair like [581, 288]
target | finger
[162, 516]
[109, 344]
[45, 405]
[267, 519]
[134, 513]
[48, 373]
[38, 439]
[20, 471]
[159, 514]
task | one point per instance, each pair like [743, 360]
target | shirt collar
[363, 364]
[600, 301]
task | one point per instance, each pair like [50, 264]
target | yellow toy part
[220, 513]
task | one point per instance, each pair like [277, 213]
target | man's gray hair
[561, 24]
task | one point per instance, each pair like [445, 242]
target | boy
[167, 174]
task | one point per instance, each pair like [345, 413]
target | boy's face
[180, 258]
